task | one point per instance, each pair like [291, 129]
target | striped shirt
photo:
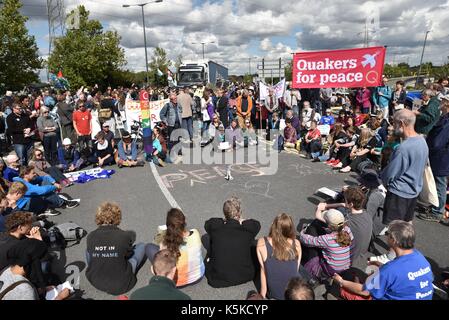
[190, 264]
[336, 256]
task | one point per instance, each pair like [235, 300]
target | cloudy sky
[256, 29]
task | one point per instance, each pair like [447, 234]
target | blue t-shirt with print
[329, 120]
[408, 277]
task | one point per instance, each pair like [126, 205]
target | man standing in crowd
[19, 127]
[186, 102]
[171, 115]
[382, 97]
[65, 112]
[438, 142]
[83, 126]
[244, 107]
[223, 107]
[427, 116]
[272, 105]
[326, 95]
[403, 176]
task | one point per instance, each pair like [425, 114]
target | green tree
[159, 62]
[178, 62]
[86, 54]
[19, 58]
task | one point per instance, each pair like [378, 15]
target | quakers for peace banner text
[348, 68]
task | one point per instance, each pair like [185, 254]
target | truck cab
[190, 74]
[201, 73]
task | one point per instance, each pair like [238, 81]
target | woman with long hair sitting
[183, 244]
[279, 256]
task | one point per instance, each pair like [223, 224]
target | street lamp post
[141, 5]
[203, 44]
[422, 56]
[249, 64]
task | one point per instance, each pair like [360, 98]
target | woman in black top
[362, 150]
[103, 153]
[112, 259]
[230, 243]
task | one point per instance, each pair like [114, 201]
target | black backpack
[61, 235]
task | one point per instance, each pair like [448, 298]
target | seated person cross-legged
[333, 243]
[103, 154]
[127, 152]
[69, 157]
[182, 243]
[407, 277]
[312, 141]
[358, 219]
[230, 244]
[112, 258]
[290, 136]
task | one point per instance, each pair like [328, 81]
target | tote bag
[429, 195]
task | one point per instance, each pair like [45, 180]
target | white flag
[279, 89]
[263, 91]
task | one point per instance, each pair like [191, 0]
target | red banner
[347, 68]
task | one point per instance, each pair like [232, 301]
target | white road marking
[163, 188]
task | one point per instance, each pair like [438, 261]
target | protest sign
[134, 111]
[279, 89]
[362, 67]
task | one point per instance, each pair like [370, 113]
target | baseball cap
[66, 142]
[334, 218]
[251, 88]
[105, 124]
[8, 93]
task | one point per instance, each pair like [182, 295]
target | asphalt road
[200, 191]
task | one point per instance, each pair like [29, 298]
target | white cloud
[241, 27]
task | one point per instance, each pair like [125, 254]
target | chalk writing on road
[257, 187]
[203, 176]
[304, 170]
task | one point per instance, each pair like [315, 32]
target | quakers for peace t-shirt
[407, 277]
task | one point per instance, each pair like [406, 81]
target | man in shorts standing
[403, 176]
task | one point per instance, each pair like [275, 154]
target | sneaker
[383, 258]
[330, 161]
[68, 199]
[445, 222]
[69, 204]
[231, 178]
[161, 162]
[427, 216]
[49, 213]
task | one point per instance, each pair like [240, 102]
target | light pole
[203, 43]
[422, 56]
[141, 5]
[249, 64]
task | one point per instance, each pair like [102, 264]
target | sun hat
[334, 218]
